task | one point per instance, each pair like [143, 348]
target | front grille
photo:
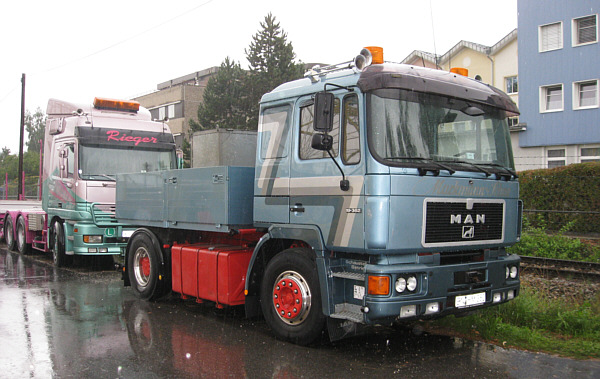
[103, 214]
[462, 222]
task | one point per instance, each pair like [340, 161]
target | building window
[550, 37]
[556, 158]
[513, 122]
[551, 98]
[585, 30]
[511, 84]
[590, 154]
[585, 94]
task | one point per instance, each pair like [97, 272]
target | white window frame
[575, 31]
[576, 95]
[588, 158]
[556, 159]
[540, 39]
[516, 78]
[543, 95]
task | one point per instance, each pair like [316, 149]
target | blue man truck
[381, 193]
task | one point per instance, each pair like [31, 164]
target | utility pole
[21, 190]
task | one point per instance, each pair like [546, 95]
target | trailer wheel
[22, 245]
[143, 266]
[61, 259]
[9, 233]
[290, 297]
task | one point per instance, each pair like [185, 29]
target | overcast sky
[76, 50]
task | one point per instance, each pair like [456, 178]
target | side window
[273, 131]
[306, 132]
[70, 151]
[351, 134]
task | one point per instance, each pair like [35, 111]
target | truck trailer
[381, 193]
[85, 146]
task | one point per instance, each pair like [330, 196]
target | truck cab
[85, 147]
[406, 200]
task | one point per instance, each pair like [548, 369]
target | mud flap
[339, 329]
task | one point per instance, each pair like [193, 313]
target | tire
[61, 259]
[290, 297]
[22, 245]
[9, 233]
[143, 265]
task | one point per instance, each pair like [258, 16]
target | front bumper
[441, 290]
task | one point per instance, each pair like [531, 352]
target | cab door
[62, 194]
[272, 171]
[316, 197]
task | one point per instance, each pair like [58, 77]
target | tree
[34, 125]
[271, 60]
[223, 105]
[5, 153]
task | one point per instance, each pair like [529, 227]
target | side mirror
[323, 120]
[322, 142]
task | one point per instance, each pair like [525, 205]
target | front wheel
[290, 297]
[22, 245]
[9, 233]
[143, 263]
[61, 259]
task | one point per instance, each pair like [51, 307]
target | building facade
[177, 101]
[559, 72]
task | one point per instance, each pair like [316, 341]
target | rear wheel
[290, 297]
[61, 259]
[22, 245]
[9, 233]
[143, 264]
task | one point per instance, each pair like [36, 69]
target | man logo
[468, 232]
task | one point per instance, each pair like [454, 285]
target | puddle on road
[78, 323]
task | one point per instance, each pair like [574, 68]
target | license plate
[469, 300]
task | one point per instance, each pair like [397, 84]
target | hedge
[573, 188]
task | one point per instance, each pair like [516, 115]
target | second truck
[381, 193]
[85, 146]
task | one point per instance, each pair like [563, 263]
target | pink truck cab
[85, 147]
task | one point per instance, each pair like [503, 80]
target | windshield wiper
[508, 170]
[423, 170]
[96, 176]
[475, 166]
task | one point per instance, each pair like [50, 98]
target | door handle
[297, 208]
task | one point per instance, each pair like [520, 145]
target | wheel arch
[278, 239]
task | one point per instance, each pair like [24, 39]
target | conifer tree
[271, 59]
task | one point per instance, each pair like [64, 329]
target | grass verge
[532, 321]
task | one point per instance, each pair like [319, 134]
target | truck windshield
[408, 128]
[101, 163]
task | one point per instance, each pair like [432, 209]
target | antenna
[435, 56]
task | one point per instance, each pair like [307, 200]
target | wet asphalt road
[82, 323]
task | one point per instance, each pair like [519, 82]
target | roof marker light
[460, 71]
[118, 105]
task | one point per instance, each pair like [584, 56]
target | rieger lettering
[115, 135]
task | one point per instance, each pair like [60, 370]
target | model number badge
[353, 210]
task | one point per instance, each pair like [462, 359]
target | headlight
[92, 239]
[513, 272]
[400, 285]
[411, 283]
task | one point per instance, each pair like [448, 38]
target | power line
[129, 38]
